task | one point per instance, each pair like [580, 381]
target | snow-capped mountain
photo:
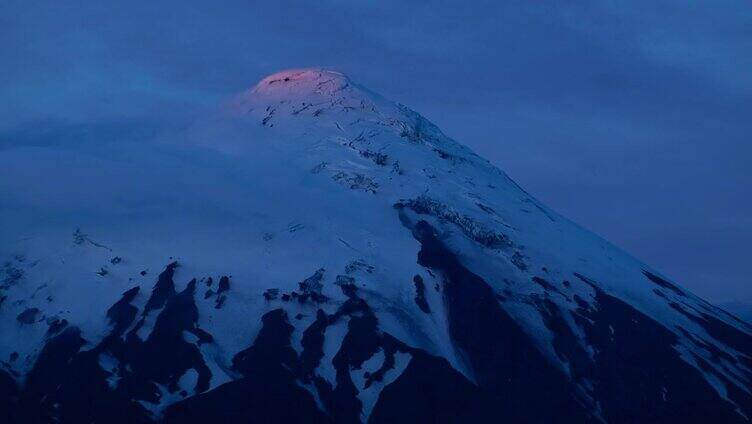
[317, 253]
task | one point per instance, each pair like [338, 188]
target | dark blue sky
[633, 118]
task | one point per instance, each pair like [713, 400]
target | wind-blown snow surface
[316, 253]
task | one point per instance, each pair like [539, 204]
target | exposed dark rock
[271, 294]
[670, 390]
[486, 209]
[519, 261]
[56, 325]
[343, 280]
[420, 294]
[473, 229]
[163, 289]
[79, 237]
[663, 283]
[67, 385]
[165, 355]
[377, 157]
[396, 168]
[222, 287]
[357, 182]
[44, 379]
[311, 288]
[348, 287]
[220, 301]
[514, 381]
[724, 333]
[28, 316]
[360, 343]
[224, 284]
[448, 156]
[11, 275]
[267, 392]
[565, 342]
[8, 398]
[548, 287]
[390, 346]
[358, 265]
[431, 391]
[317, 169]
[313, 344]
[502, 357]
[717, 354]
[122, 313]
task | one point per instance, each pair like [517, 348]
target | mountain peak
[309, 94]
[310, 85]
[305, 80]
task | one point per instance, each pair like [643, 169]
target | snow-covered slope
[317, 253]
[740, 309]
